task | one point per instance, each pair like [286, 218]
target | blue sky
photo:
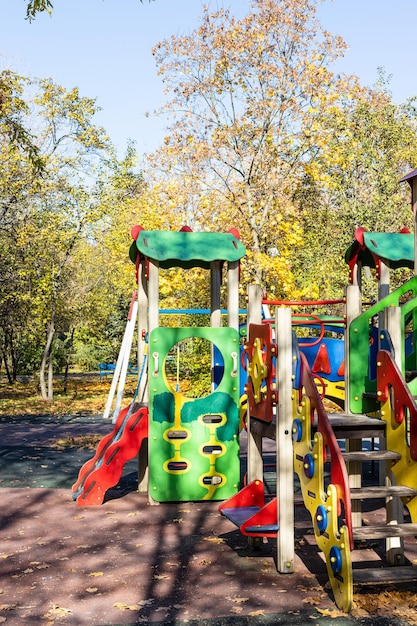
[104, 48]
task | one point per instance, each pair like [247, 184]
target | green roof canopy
[396, 249]
[187, 249]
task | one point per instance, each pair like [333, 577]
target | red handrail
[302, 302]
[389, 377]
[338, 472]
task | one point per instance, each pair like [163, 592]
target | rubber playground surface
[126, 562]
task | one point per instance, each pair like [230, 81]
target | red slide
[114, 450]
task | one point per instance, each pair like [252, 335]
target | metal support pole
[284, 445]
[255, 461]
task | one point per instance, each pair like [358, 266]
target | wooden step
[371, 455]
[385, 575]
[363, 533]
[347, 426]
[239, 515]
[366, 493]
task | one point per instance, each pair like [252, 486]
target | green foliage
[264, 138]
[55, 226]
[370, 145]
[12, 110]
[38, 6]
[189, 367]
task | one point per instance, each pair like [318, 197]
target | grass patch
[85, 394]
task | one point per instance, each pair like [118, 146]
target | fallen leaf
[236, 609]
[255, 613]
[312, 600]
[7, 607]
[132, 607]
[331, 613]
[28, 570]
[57, 611]
[91, 589]
[161, 577]
[239, 600]
[214, 539]
[96, 574]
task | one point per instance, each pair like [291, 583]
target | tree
[38, 6]
[12, 109]
[370, 143]
[45, 217]
[248, 97]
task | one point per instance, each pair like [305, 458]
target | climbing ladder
[339, 535]
[330, 452]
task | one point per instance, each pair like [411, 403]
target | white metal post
[233, 294]
[255, 461]
[284, 445]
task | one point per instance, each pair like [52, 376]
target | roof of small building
[186, 248]
[396, 249]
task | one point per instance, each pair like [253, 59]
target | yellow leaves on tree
[252, 92]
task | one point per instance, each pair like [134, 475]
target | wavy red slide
[114, 450]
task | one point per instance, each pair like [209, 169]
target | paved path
[126, 562]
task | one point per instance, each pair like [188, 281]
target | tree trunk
[6, 366]
[69, 344]
[13, 357]
[47, 395]
[51, 373]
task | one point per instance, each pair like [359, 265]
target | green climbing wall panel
[359, 333]
[193, 443]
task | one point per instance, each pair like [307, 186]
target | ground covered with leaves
[126, 562]
[82, 394]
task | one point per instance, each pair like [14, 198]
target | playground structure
[193, 443]
[193, 451]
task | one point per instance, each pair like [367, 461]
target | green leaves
[38, 6]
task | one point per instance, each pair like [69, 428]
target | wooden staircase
[379, 487]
